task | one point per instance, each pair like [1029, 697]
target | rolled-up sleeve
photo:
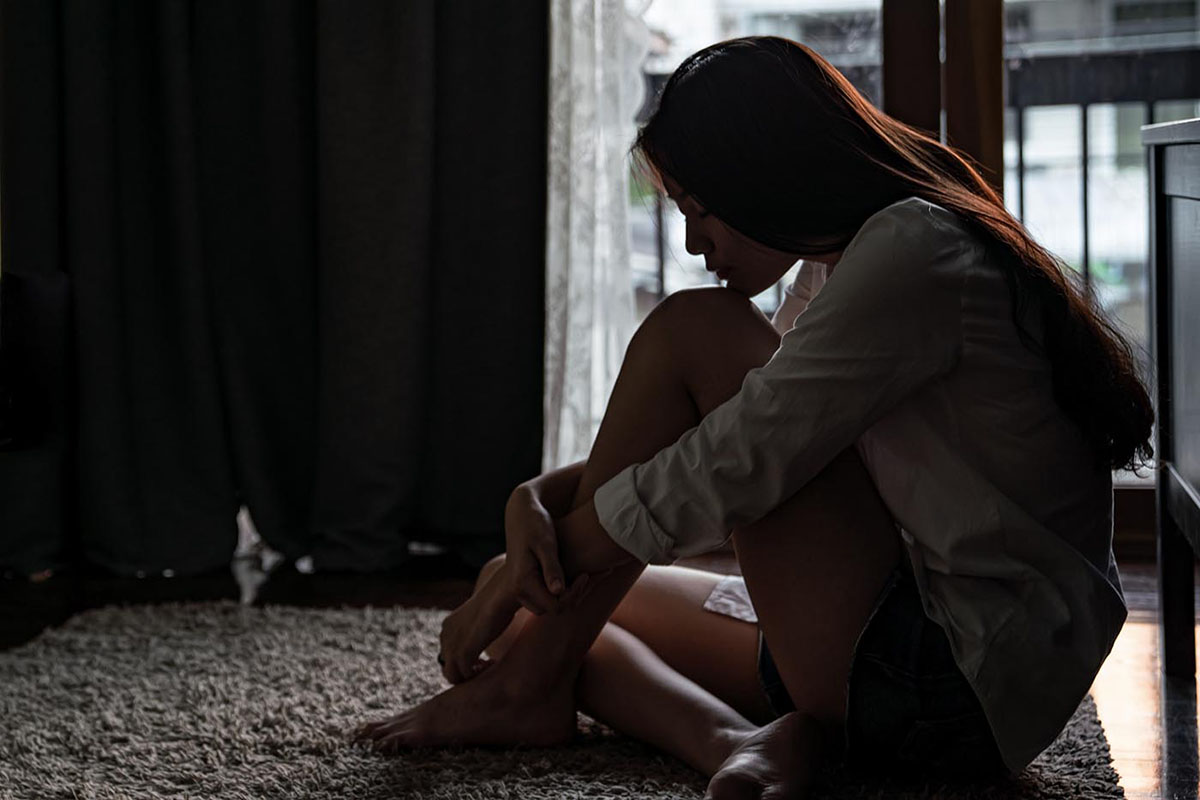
[886, 323]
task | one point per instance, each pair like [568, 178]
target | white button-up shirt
[910, 353]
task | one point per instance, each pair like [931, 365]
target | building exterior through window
[1082, 77]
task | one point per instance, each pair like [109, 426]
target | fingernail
[556, 587]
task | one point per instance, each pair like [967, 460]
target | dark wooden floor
[1150, 722]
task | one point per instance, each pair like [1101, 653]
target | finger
[529, 603]
[446, 664]
[532, 605]
[361, 731]
[575, 594]
[372, 731]
[457, 668]
[552, 572]
[532, 593]
[525, 580]
[388, 736]
[465, 666]
[587, 583]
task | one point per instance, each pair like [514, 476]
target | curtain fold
[374, 207]
[290, 268]
[254, 101]
[596, 88]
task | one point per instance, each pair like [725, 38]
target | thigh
[815, 567]
[665, 609]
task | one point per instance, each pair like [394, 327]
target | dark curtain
[286, 255]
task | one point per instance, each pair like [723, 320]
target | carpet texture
[224, 701]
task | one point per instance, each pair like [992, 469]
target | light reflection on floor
[1149, 720]
[1129, 701]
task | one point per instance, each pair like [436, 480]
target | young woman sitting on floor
[916, 476]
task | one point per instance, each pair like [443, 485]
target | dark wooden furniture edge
[1177, 503]
[1178, 536]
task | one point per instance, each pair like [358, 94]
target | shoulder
[914, 226]
[910, 259]
[909, 245]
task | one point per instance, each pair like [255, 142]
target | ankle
[528, 677]
[548, 648]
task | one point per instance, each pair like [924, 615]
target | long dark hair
[773, 140]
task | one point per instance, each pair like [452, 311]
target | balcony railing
[1082, 75]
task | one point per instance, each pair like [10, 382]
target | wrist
[588, 546]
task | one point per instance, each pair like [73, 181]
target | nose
[694, 240]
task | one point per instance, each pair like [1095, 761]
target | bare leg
[665, 609]
[690, 355]
[656, 704]
[663, 650]
[840, 571]
[814, 568]
[836, 572]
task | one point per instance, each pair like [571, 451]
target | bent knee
[706, 306]
[708, 320]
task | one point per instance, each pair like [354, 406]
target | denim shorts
[909, 709]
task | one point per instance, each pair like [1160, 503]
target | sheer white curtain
[596, 88]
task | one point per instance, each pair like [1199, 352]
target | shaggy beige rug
[224, 701]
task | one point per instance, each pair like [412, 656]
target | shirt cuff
[628, 522]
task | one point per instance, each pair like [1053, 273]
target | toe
[374, 732]
[364, 731]
[400, 735]
[398, 740]
[733, 786]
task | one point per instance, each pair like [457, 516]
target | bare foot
[776, 762]
[486, 710]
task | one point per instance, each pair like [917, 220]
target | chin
[749, 291]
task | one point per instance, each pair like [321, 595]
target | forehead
[673, 189]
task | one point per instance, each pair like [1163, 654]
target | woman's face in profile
[743, 264]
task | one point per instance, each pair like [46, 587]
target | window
[1081, 83]
[846, 32]
[1156, 16]
[1083, 77]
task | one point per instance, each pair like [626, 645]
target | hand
[474, 625]
[481, 620]
[532, 562]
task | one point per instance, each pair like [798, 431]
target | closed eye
[701, 212]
